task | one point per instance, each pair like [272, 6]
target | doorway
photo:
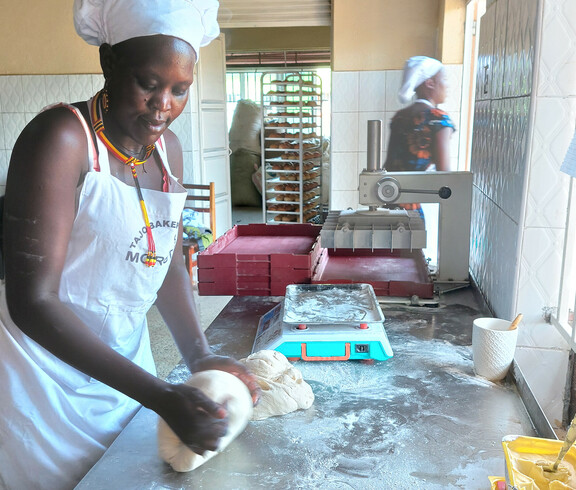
[245, 116]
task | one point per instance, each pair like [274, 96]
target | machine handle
[444, 192]
[389, 190]
[345, 357]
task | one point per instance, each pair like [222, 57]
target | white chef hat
[114, 21]
[417, 70]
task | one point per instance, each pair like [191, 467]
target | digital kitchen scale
[325, 322]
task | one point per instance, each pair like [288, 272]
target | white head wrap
[417, 70]
[114, 21]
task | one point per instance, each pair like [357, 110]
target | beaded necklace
[98, 125]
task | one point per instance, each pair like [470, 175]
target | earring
[105, 100]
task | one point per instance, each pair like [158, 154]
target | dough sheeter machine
[381, 234]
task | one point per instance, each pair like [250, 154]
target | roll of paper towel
[493, 347]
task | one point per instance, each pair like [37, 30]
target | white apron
[56, 422]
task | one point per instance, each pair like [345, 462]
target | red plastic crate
[399, 273]
[259, 260]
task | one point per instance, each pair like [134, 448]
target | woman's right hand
[198, 421]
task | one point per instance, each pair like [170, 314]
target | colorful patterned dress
[411, 138]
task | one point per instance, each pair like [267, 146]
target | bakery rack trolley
[291, 147]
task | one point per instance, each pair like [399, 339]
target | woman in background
[420, 133]
[92, 239]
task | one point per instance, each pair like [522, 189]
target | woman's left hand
[232, 366]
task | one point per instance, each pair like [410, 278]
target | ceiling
[278, 59]
[274, 13]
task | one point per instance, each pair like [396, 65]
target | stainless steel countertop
[420, 420]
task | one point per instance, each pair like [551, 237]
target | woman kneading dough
[92, 239]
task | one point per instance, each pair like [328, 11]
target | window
[563, 315]
[245, 85]
[241, 85]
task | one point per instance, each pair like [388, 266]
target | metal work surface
[420, 420]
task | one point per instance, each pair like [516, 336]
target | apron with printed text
[56, 422]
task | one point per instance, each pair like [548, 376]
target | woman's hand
[231, 366]
[199, 422]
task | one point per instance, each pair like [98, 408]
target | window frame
[562, 316]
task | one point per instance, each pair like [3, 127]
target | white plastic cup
[493, 347]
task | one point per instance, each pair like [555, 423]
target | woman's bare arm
[48, 162]
[442, 149]
[177, 305]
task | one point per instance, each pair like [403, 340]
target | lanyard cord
[98, 125]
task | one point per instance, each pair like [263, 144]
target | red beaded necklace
[98, 125]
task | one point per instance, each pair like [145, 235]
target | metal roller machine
[379, 231]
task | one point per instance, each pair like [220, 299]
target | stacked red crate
[259, 260]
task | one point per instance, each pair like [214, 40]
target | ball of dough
[283, 389]
[220, 387]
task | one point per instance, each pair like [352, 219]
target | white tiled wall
[358, 97]
[543, 353]
[22, 97]
[521, 133]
